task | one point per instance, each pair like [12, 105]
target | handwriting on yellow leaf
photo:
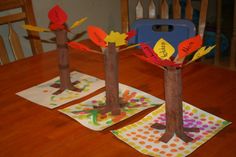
[35, 28]
[77, 23]
[163, 49]
[117, 38]
[201, 52]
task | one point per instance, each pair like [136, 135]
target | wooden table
[27, 129]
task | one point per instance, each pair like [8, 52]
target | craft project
[110, 44]
[162, 56]
[58, 18]
[144, 138]
[88, 112]
[42, 94]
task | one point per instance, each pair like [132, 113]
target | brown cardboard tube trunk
[174, 107]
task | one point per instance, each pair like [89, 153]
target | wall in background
[102, 13]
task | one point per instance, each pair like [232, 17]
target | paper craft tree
[58, 26]
[110, 44]
[162, 56]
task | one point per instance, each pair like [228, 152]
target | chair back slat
[15, 43]
[139, 10]
[26, 14]
[176, 9]
[202, 18]
[189, 10]
[164, 10]
[3, 52]
[152, 10]
[124, 15]
[11, 4]
[12, 18]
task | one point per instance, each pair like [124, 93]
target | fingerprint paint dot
[128, 135]
[164, 146]
[155, 149]
[142, 142]
[162, 152]
[176, 140]
[173, 150]
[187, 108]
[173, 145]
[211, 118]
[140, 130]
[150, 140]
[169, 154]
[134, 138]
[210, 122]
[213, 128]
[202, 115]
[146, 126]
[133, 133]
[156, 132]
[144, 137]
[181, 148]
[146, 132]
[148, 146]
[194, 110]
[199, 123]
[150, 129]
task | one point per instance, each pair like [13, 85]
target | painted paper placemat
[42, 94]
[89, 116]
[145, 139]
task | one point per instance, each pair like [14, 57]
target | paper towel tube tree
[110, 46]
[161, 56]
[58, 26]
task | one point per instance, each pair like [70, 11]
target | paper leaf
[78, 46]
[130, 34]
[117, 38]
[35, 28]
[189, 46]
[97, 35]
[57, 15]
[148, 51]
[201, 52]
[163, 49]
[77, 23]
[153, 57]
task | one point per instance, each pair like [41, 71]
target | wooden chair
[160, 9]
[26, 15]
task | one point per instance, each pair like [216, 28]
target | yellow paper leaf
[35, 28]
[77, 23]
[117, 38]
[164, 49]
[201, 52]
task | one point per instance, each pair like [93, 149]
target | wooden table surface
[30, 130]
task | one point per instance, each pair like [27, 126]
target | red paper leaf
[97, 35]
[131, 34]
[153, 58]
[189, 46]
[148, 51]
[57, 15]
[78, 46]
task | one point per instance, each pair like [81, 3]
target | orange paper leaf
[189, 46]
[97, 35]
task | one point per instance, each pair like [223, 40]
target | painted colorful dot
[146, 139]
